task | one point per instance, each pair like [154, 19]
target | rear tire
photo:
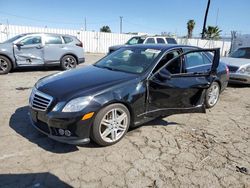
[110, 124]
[68, 62]
[212, 95]
[5, 65]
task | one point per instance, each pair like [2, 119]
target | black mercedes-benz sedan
[129, 87]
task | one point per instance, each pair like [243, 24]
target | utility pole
[121, 24]
[85, 24]
[205, 21]
[217, 15]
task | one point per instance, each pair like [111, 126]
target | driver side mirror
[19, 44]
[163, 74]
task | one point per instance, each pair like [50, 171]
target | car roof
[55, 34]
[162, 47]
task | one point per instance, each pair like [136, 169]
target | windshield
[131, 60]
[241, 53]
[14, 38]
[135, 40]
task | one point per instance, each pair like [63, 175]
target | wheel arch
[218, 82]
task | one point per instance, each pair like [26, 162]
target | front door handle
[39, 47]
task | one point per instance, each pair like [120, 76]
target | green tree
[212, 32]
[190, 28]
[105, 29]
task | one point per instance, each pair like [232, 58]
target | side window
[206, 59]
[193, 60]
[150, 41]
[50, 39]
[197, 62]
[160, 40]
[67, 39]
[174, 67]
[31, 40]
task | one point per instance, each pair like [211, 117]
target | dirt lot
[191, 150]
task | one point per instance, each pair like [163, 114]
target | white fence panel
[99, 42]
[223, 45]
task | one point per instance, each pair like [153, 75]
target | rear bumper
[51, 125]
[239, 78]
[81, 60]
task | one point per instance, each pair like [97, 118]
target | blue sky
[152, 17]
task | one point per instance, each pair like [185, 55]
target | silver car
[36, 49]
[239, 65]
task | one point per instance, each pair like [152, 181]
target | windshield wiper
[109, 68]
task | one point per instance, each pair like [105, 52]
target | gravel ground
[188, 150]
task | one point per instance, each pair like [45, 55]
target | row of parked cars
[133, 84]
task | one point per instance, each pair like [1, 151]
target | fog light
[61, 131]
[67, 133]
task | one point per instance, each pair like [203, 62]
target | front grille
[233, 68]
[40, 101]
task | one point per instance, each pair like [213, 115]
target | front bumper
[50, 125]
[239, 78]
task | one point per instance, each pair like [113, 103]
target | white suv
[145, 40]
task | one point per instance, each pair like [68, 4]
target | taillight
[79, 44]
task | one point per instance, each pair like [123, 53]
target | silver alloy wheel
[213, 95]
[113, 125]
[3, 65]
[69, 63]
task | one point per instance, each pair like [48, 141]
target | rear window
[171, 41]
[67, 39]
[49, 39]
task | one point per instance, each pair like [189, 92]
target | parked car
[239, 65]
[145, 40]
[36, 49]
[129, 87]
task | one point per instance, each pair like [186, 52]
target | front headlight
[244, 69]
[77, 104]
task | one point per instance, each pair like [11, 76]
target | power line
[57, 22]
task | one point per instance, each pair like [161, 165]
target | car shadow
[155, 122]
[43, 179]
[232, 85]
[20, 123]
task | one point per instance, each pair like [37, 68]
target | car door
[54, 48]
[172, 89]
[29, 51]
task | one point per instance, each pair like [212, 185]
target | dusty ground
[191, 150]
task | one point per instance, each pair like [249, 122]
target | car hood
[235, 61]
[85, 81]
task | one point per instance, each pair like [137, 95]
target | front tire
[110, 124]
[212, 95]
[5, 65]
[68, 62]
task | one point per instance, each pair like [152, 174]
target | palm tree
[212, 32]
[190, 27]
